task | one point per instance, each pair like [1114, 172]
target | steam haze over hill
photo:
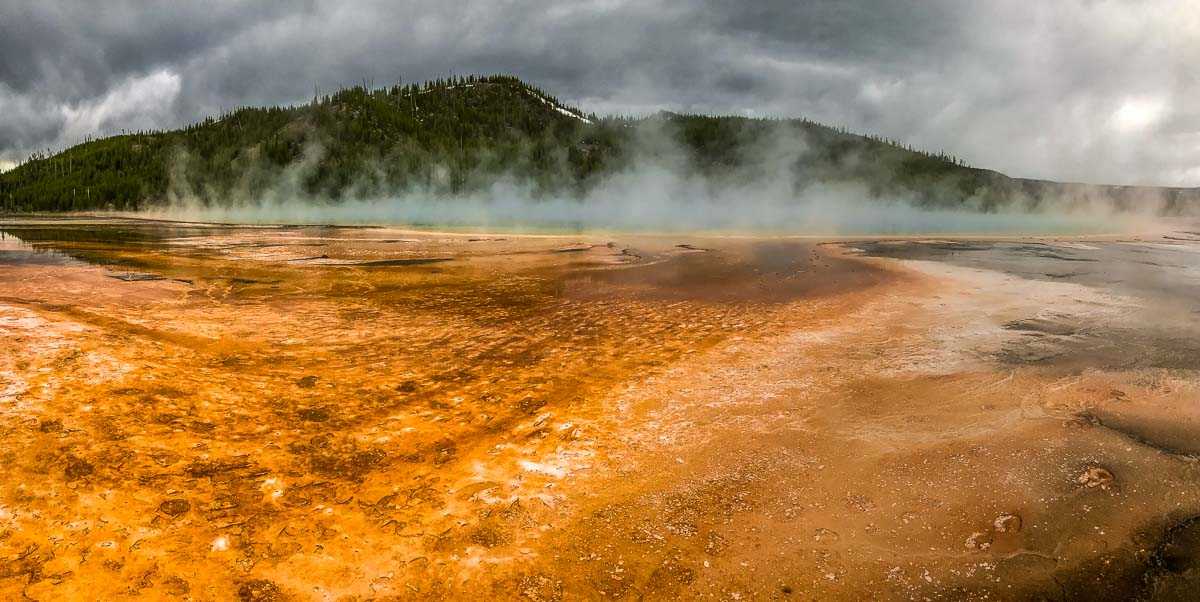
[496, 150]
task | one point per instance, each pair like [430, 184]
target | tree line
[446, 136]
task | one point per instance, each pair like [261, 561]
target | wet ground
[215, 412]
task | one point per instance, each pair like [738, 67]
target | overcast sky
[1083, 90]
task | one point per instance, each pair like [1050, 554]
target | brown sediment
[764, 419]
[848, 462]
[202, 397]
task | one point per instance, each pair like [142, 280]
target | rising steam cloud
[661, 192]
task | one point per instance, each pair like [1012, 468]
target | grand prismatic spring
[268, 413]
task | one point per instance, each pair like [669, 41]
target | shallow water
[833, 215]
[15, 250]
[319, 412]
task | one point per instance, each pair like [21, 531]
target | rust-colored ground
[321, 413]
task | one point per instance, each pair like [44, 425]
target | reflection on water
[15, 250]
[63, 240]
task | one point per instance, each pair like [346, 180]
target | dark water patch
[1042, 250]
[1061, 257]
[1026, 354]
[248, 281]
[277, 245]
[136, 276]
[17, 251]
[760, 271]
[922, 250]
[1161, 265]
[1175, 564]
[1182, 238]
[380, 263]
[1167, 435]
[95, 244]
[957, 246]
[11, 257]
[1154, 272]
[102, 234]
[1161, 562]
[113, 260]
[326, 261]
[1104, 347]
[109, 243]
[1056, 327]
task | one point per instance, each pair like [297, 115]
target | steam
[661, 190]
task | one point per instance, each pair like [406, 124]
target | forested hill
[461, 135]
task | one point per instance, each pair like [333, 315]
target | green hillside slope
[461, 135]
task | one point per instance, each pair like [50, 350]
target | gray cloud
[1084, 90]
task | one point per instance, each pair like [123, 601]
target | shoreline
[1163, 226]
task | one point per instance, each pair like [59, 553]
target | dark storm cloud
[1075, 89]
